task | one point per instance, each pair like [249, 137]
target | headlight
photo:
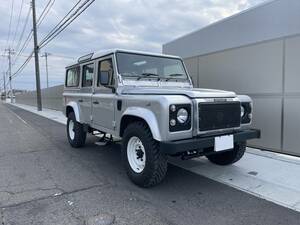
[242, 111]
[182, 115]
[246, 112]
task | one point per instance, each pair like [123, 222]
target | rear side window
[87, 75]
[72, 79]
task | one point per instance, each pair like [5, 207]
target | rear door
[104, 97]
[87, 81]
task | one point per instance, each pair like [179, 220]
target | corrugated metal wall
[270, 73]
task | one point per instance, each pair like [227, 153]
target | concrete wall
[270, 73]
[51, 98]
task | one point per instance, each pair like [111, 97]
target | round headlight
[182, 115]
[242, 111]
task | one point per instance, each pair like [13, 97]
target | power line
[21, 68]
[45, 12]
[62, 25]
[30, 35]
[66, 23]
[57, 25]
[10, 20]
[18, 22]
[23, 30]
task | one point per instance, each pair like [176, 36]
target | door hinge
[114, 123]
[91, 118]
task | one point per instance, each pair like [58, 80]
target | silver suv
[149, 102]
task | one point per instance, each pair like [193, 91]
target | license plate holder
[223, 143]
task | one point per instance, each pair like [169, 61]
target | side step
[104, 139]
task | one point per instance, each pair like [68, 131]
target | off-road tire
[156, 163]
[80, 134]
[228, 157]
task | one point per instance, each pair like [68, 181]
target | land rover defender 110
[148, 101]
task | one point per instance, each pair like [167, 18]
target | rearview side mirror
[104, 78]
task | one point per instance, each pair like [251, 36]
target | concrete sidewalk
[271, 176]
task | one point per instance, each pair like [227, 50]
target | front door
[104, 98]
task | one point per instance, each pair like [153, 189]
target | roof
[102, 53]
[268, 21]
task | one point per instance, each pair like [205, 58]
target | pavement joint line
[55, 196]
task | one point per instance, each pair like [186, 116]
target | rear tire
[145, 165]
[228, 157]
[75, 132]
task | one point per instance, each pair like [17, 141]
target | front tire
[228, 157]
[75, 132]
[145, 165]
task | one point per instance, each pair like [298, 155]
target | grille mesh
[215, 116]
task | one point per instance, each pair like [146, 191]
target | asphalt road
[45, 181]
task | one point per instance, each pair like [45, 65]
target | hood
[189, 92]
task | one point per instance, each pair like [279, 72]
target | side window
[72, 77]
[87, 75]
[106, 67]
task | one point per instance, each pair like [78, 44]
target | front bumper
[204, 144]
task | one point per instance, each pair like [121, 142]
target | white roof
[105, 52]
[268, 21]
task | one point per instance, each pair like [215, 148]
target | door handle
[80, 100]
[96, 102]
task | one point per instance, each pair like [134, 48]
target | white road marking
[17, 117]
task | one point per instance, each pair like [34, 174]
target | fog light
[172, 122]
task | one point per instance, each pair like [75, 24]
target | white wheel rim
[71, 129]
[136, 154]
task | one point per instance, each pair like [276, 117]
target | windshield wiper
[143, 75]
[174, 76]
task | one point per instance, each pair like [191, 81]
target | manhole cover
[101, 219]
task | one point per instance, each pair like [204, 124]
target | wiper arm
[174, 76]
[147, 75]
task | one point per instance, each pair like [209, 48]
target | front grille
[216, 116]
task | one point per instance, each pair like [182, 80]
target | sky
[127, 24]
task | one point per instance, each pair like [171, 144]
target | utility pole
[4, 82]
[36, 57]
[46, 54]
[11, 94]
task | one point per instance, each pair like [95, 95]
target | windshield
[140, 66]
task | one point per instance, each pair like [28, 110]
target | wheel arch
[140, 114]
[73, 107]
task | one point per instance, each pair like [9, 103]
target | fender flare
[146, 115]
[75, 107]
[244, 98]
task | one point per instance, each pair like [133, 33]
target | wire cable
[61, 26]
[45, 12]
[23, 30]
[54, 28]
[78, 12]
[10, 21]
[18, 22]
[30, 35]
[21, 68]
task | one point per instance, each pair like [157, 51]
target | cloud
[131, 24]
